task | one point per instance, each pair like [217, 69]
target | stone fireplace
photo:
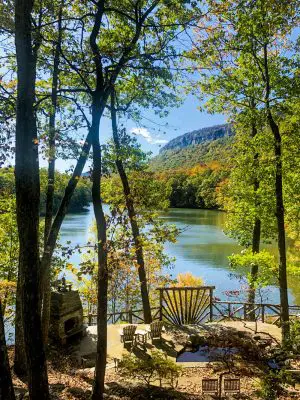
[66, 318]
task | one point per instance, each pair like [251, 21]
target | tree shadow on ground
[140, 352]
[142, 392]
[167, 346]
[79, 393]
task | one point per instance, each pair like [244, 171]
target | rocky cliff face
[198, 136]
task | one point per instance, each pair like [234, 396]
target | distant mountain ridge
[198, 136]
[200, 147]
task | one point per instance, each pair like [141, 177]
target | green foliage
[156, 197]
[130, 152]
[9, 248]
[295, 336]
[80, 199]
[232, 60]
[151, 368]
[198, 187]
[271, 385]
[253, 161]
[7, 181]
[265, 262]
[183, 192]
[291, 168]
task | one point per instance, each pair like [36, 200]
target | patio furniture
[141, 336]
[127, 334]
[232, 386]
[155, 330]
[210, 386]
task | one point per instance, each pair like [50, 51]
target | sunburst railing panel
[186, 305]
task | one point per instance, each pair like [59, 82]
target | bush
[150, 369]
[272, 384]
[270, 387]
[295, 336]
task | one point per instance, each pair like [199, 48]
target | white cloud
[142, 132]
[147, 136]
[159, 141]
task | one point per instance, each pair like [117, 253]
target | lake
[202, 248]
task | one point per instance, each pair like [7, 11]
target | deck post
[245, 312]
[160, 305]
[211, 308]
[130, 316]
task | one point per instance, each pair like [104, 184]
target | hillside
[201, 146]
[195, 166]
[191, 155]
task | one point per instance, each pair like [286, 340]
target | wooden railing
[220, 311]
[130, 316]
[264, 312]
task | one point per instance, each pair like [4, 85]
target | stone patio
[174, 339]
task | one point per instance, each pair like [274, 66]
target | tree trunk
[282, 273]
[6, 386]
[28, 201]
[255, 235]
[98, 105]
[46, 287]
[98, 389]
[20, 366]
[254, 268]
[284, 301]
[132, 217]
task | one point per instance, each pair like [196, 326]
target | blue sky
[184, 119]
[153, 132]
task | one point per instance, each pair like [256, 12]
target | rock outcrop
[198, 136]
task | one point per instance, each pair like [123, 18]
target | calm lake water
[202, 248]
